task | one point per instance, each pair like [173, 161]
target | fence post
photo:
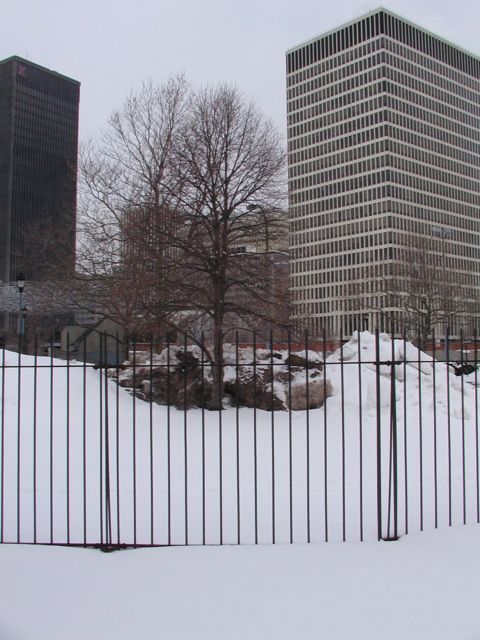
[393, 470]
[2, 449]
[379, 436]
[108, 506]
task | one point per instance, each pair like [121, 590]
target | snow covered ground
[180, 475]
[422, 586]
[425, 586]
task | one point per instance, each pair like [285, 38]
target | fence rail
[373, 440]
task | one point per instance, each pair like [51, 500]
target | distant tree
[124, 208]
[427, 295]
[180, 181]
[229, 186]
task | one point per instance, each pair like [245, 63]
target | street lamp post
[21, 312]
[443, 233]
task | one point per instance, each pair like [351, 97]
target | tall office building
[38, 166]
[384, 175]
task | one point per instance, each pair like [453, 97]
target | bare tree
[179, 183]
[227, 156]
[429, 297]
[125, 216]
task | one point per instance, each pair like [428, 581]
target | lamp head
[21, 282]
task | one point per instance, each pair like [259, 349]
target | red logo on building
[21, 70]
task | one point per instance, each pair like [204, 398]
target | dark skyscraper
[38, 166]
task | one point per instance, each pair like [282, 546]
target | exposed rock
[179, 379]
[294, 360]
[255, 390]
[317, 391]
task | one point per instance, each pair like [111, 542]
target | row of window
[346, 156]
[362, 189]
[405, 67]
[344, 128]
[365, 57]
[433, 140]
[387, 160]
[333, 117]
[340, 172]
[382, 23]
[358, 243]
[437, 210]
[375, 262]
[433, 144]
[329, 95]
[431, 172]
[409, 178]
[399, 113]
[327, 92]
[355, 68]
[439, 68]
[337, 144]
[358, 156]
[455, 98]
[344, 100]
[319, 50]
[447, 118]
[361, 279]
[396, 68]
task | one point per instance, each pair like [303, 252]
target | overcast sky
[112, 45]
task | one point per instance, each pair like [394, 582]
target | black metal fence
[364, 439]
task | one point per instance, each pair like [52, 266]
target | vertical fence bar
[379, 436]
[35, 396]
[202, 365]
[169, 450]
[237, 435]
[68, 436]
[108, 506]
[255, 448]
[134, 440]
[84, 441]
[420, 428]
[150, 418]
[101, 436]
[342, 388]
[449, 430]
[272, 432]
[477, 461]
[51, 436]
[219, 364]
[405, 434]
[325, 433]
[185, 436]
[19, 428]
[307, 399]
[360, 432]
[435, 444]
[2, 452]
[290, 437]
[393, 436]
[117, 429]
[464, 480]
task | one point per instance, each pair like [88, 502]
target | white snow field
[169, 483]
[425, 585]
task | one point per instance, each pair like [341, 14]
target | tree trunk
[216, 402]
